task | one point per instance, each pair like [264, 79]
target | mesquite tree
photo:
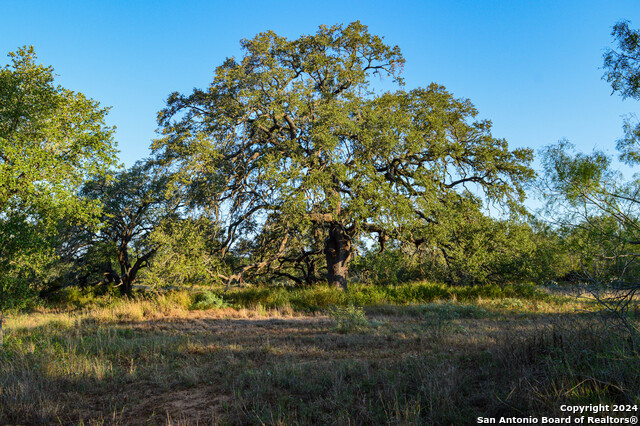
[291, 148]
[597, 204]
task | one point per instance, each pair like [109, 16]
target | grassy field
[415, 354]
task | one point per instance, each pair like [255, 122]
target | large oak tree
[291, 147]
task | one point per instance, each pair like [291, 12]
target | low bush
[207, 300]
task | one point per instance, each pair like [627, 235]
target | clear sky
[532, 67]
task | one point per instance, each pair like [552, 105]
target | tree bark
[130, 272]
[1, 334]
[125, 268]
[338, 253]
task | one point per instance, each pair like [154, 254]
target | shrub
[207, 300]
[76, 297]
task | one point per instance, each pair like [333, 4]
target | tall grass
[297, 299]
[311, 299]
[524, 373]
[420, 353]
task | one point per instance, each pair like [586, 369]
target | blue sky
[532, 67]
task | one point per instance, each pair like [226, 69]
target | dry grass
[154, 361]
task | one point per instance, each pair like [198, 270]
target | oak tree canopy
[294, 151]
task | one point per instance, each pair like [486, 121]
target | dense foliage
[51, 140]
[133, 204]
[292, 149]
[186, 254]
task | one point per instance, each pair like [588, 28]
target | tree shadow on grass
[425, 367]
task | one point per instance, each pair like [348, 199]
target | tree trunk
[311, 273]
[1, 335]
[131, 272]
[126, 287]
[127, 281]
[338, 252]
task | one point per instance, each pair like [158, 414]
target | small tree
[601, 208]
[186, 253]
[292, 147]
[133, 203]
[600, 212]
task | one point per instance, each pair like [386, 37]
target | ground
[442, 362]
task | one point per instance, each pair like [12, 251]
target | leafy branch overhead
[292, 146]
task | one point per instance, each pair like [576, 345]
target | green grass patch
[300, 299]
[320, 297]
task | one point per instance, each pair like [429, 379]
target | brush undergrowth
[208, 300]
[307, 299]
[312, 299]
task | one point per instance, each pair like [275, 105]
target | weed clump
[207, 300]
[349, 318]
